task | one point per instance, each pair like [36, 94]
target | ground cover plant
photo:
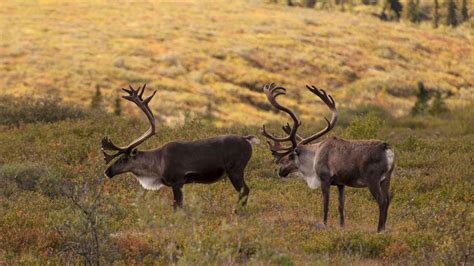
[56, 205]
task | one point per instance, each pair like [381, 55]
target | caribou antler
[287, 129]
[329, 101]
[277, 151]
[108, 145]
[134, 96]
[272, 91]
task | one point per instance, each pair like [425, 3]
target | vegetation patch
[15, 111]
[58, 207]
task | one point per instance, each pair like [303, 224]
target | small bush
[413, 143]
[365, 127]
[424, 104]
[282, 260]
[346, 116]
[438, 106]
[97, 99]
[15, 110]
[367, 245]
[422, 99]
[25, 175]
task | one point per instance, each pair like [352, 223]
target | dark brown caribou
[180, 162]
[334, 161]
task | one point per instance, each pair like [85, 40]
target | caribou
[179, 162]
[333, 161]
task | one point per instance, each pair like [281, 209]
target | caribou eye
[297, 152]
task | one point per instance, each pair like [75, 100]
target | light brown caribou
[334, 161]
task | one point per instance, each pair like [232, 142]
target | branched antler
[272, 91]
[329, 101]
[277, 151]
[135, 96]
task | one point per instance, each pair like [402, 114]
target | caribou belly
[150, 183]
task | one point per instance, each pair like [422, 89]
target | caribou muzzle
[108, 173]
[283, 172]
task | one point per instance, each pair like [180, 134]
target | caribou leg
[340, 189]
[382, 201]
[385, 185]
[326, 187]
[178, 196]
[237, 179]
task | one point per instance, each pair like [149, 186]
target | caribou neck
[148, 164]
[307, 158]
[306, 163]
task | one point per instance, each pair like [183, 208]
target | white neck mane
[307, 171]
[150, 183]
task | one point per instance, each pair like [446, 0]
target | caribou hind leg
[382, 201]
[340, 189]
[178, 196]
[237, 179]
[385, 185]
[326, 188]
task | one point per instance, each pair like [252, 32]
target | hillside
[212, 57]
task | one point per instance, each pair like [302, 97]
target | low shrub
[347, 115]
[25, 175]
[365, 127]
[19, 110]
[367, 245]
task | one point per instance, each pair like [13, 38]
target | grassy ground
[212, 57]
[56, 206]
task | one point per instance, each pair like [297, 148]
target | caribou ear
[133, 153]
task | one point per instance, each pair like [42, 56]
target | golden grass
[196, 52]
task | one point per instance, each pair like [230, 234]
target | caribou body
[180, 162]
[334, 161]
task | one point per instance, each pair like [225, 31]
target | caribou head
[129, 158]
[296, 157]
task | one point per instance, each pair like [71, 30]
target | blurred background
[211, 58]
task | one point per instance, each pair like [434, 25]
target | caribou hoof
[320, 226]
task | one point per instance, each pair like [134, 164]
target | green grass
[53, 195]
